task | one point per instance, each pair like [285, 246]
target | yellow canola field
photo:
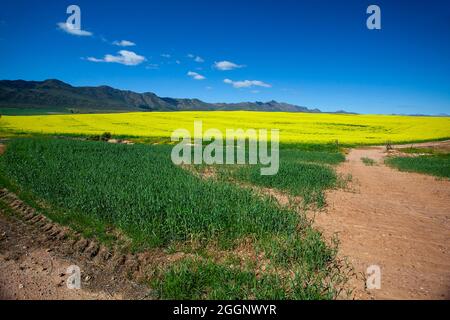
[294, 127]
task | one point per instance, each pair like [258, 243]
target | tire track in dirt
[397, 220]
[35, 253]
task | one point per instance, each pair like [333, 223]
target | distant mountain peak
[55, 83]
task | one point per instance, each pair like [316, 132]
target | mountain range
[55, 96]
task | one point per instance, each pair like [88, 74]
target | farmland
[294, 128]
[237, 239]
[96, 186]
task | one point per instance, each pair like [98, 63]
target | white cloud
[124, 43]
[247, 83]
[166, 55]
[128, 58]
[92, 59]
[195, 75]
[199, 59]
[178, 62]
[68, 28]
[227, 65]
[196, 58]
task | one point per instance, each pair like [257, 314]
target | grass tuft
[436, 165]
[368, 161]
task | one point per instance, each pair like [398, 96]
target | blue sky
[311, 53]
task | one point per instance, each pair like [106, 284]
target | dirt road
[396, 220]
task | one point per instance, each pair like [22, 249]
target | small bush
[106, 136]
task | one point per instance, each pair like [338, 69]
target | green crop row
[437, 165]
[301, 173]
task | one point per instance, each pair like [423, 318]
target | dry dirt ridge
[399, 221]
[35, 254]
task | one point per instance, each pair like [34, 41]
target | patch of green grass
[301, 173]
[204, 279]
[436, 165]
[287, 251]
[314, 147]
[331, 157]
[32, 111]
[413, 150]
[368, 161]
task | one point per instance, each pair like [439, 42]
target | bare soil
[399, 221]
[35, 254]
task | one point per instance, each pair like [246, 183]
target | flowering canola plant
[294, 127]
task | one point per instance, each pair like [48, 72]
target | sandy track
[399, 221]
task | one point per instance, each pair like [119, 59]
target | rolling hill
[55, 96]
